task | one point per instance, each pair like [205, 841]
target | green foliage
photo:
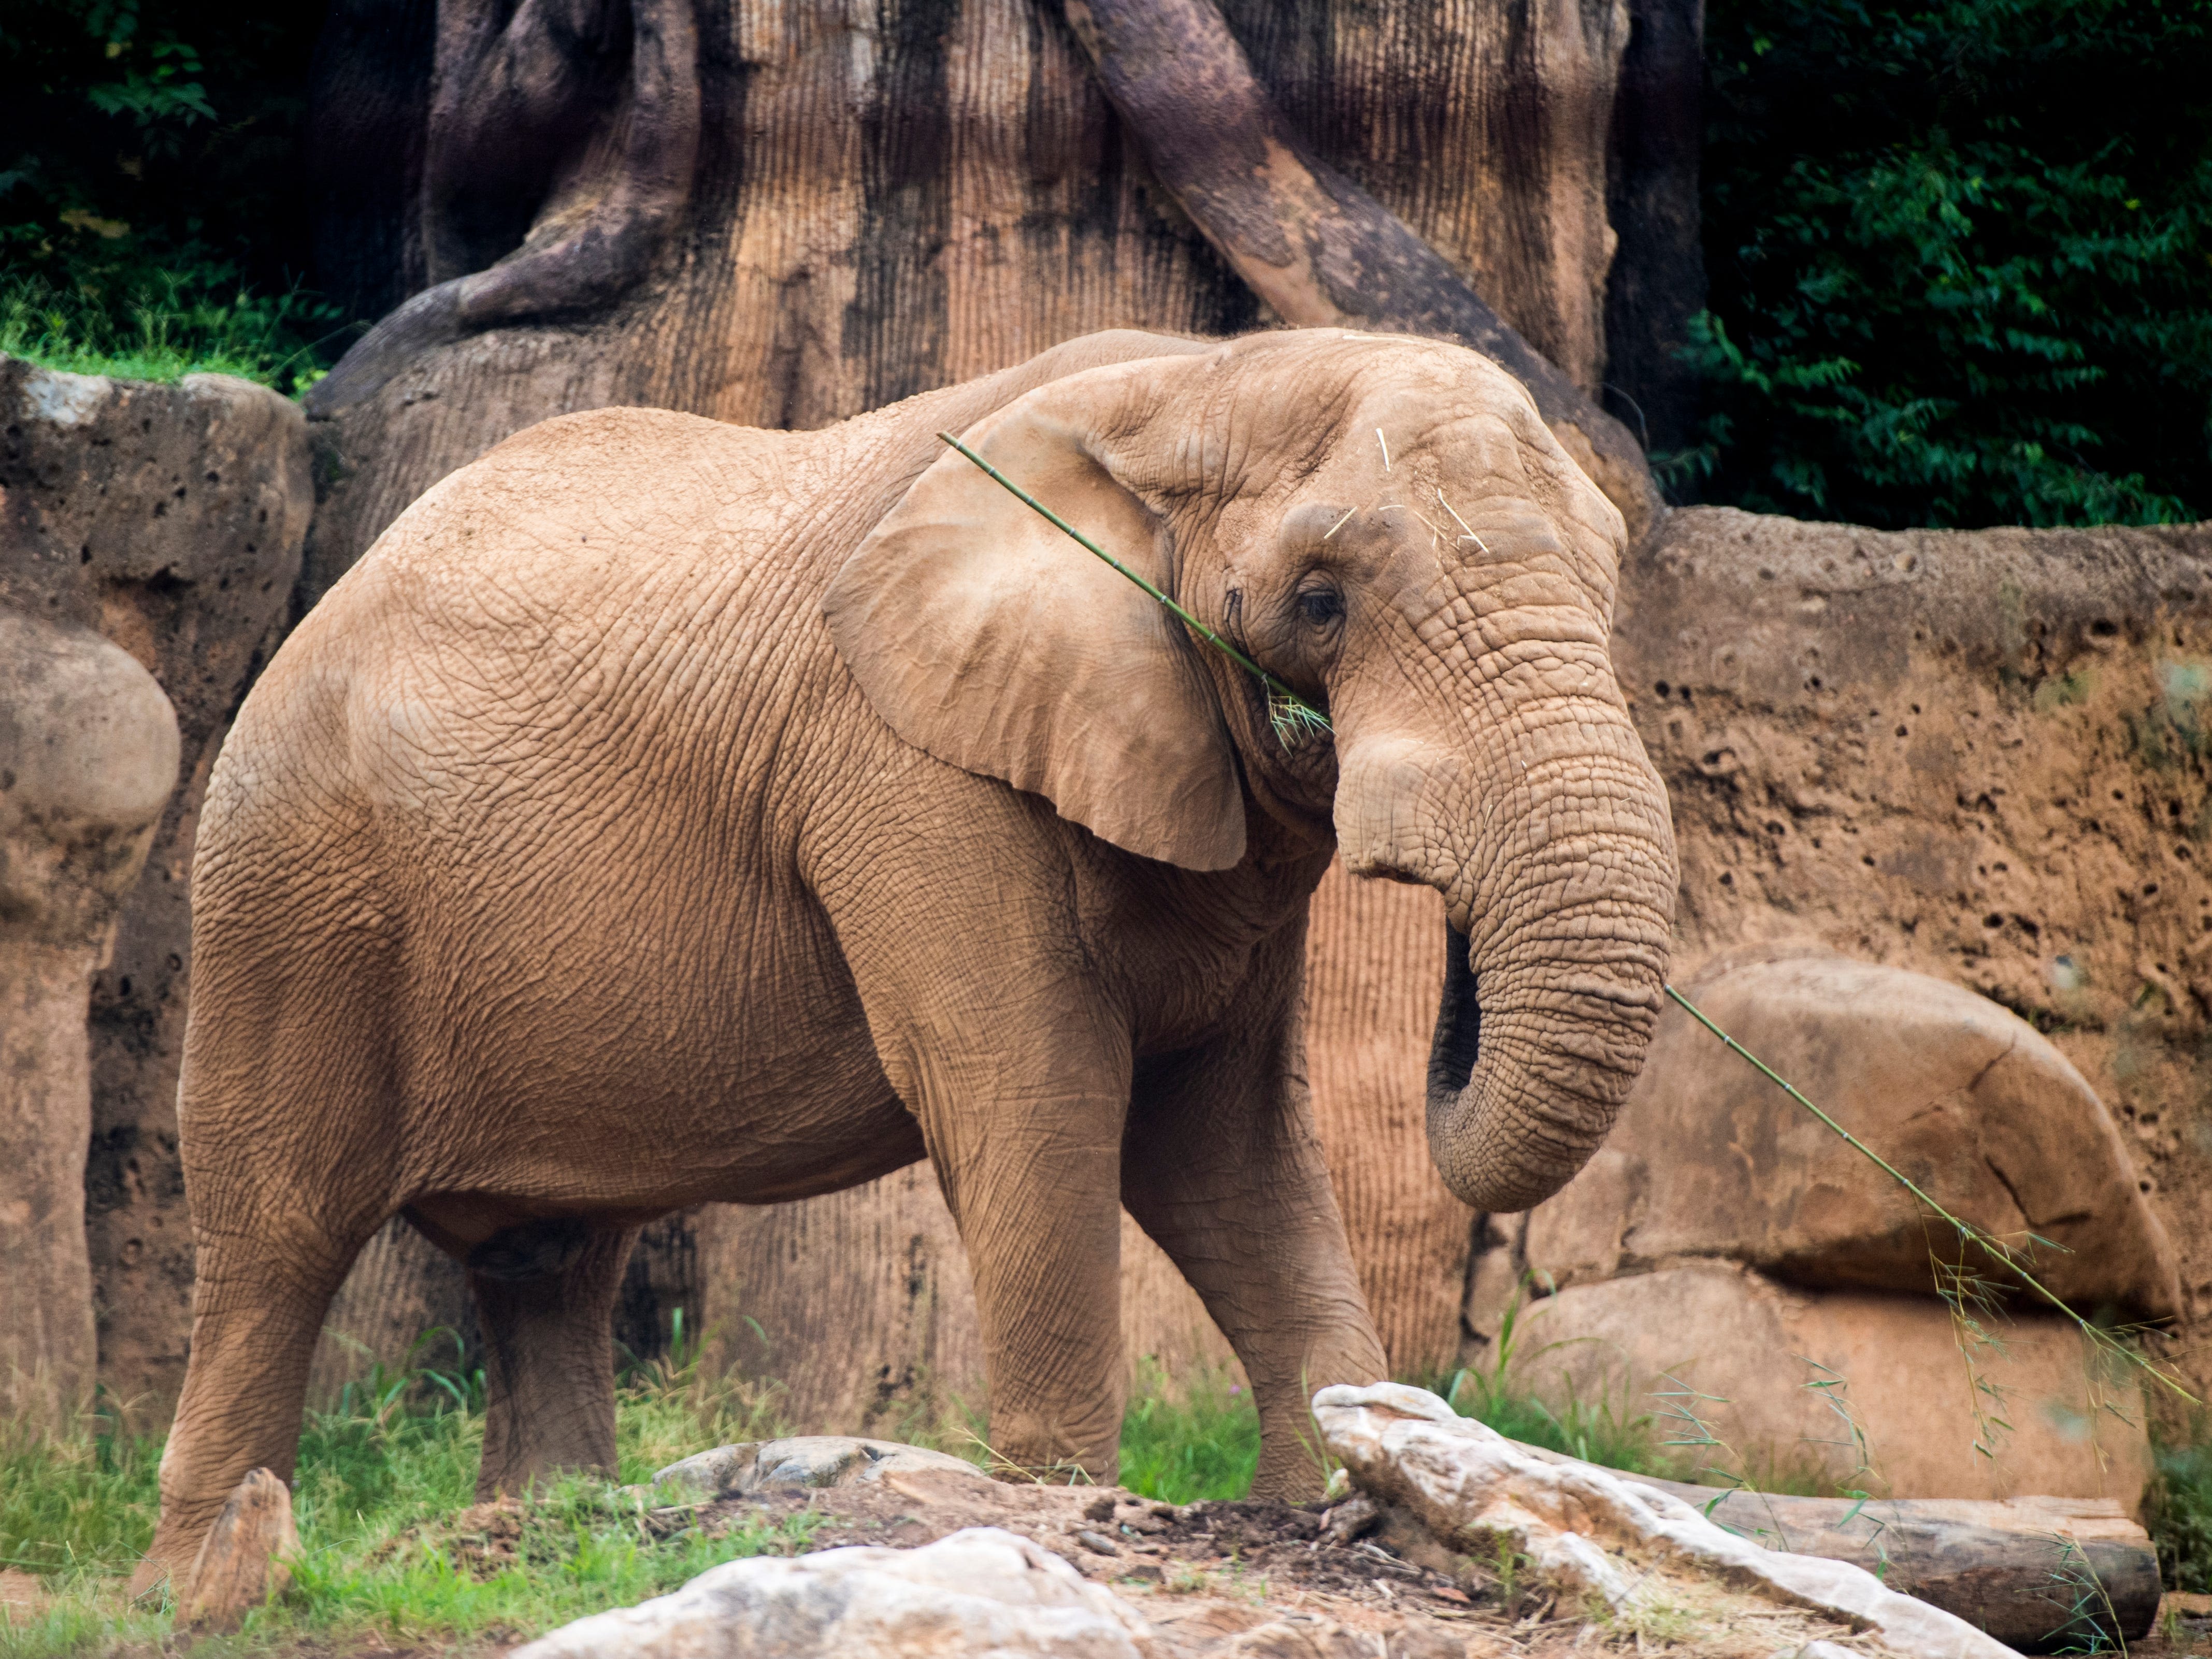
[82, 1503]
[1593, 1431]
[1197, 1439]
[151, 201]
[2180, 1507]
[378, 1480]
[1960, 257]
[163, 325]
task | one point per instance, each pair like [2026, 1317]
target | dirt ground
[2183, 1630]
[1244, 1580]
[1256, 1579]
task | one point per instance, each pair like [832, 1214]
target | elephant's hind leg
[545, 1297]
[263, 1288]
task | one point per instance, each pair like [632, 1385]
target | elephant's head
[1387, 527]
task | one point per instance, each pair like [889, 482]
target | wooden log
[2042, 1575]
[244, 1560]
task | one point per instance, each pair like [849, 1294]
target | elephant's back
[567, 627]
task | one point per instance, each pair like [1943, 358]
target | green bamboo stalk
[1297, 714]
[1995, 1248]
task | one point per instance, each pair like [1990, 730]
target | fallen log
[2041, 1574]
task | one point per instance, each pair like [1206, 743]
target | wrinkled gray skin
[663, 811]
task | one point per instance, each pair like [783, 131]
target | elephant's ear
[988, 638]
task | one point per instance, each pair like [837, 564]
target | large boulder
[1895, 1394]
[979, 1591]
[1715, 1254]
[1710, 1160]
[168, 520]
[1977, 754]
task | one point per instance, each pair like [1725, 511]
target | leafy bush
[151, 193]
[2180, 1507]
[1960, 258]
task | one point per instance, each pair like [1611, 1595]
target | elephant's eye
[1321, 606]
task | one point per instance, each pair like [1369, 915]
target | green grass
[2181, 1506]
[374, 1479]
[1183, 1443]
[384, 1479]
[146, 325]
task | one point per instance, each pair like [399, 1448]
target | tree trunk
[1374, 959]
[1657, 282]
[869, 200]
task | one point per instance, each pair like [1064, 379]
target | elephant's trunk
[1548, 834]
[1545, 1020]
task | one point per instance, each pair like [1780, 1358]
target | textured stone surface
[1977, 755]
[826, 1460]
[981, 1592]
[1600, 1534]
[87, 759]
[1779, 1368]
[169, 519]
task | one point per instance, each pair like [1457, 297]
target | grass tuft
[1197, 1439]
[2180, 1506]
[161, 326]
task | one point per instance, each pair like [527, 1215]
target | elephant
[666, 811]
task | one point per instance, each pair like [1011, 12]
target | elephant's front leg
[1028, 1155]
[1221, 1166]
[1018, 1075]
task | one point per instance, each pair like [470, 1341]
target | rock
[1356, 1514]
[825, 1459]
[87, 761]
[979, 1591]
[23, 1597]
[1709, 1159]
[1712, 1169]
[169, 520]
[243, 1562]
[1968, 754]
[1780, 1367]
[1587, 1532]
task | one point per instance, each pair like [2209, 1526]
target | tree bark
[884, 198]
[1657, 279]
[1322, 252]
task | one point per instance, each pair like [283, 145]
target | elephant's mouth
[1458, 1041]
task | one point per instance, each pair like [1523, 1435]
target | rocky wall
[169, 520]
[1985, 756]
